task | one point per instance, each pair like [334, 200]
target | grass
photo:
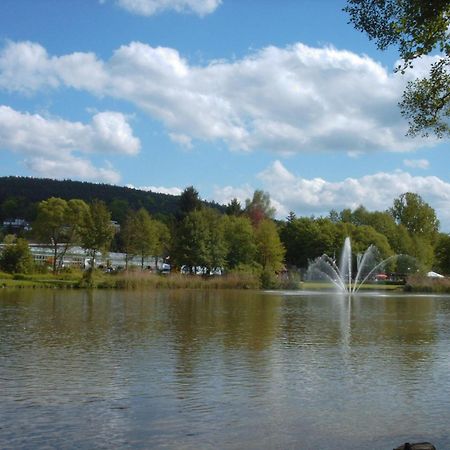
[146, 280]
[129, 280]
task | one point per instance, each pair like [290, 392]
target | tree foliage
[96, 231]
[58, 224]
[442, 252]
[416, 215]
[189, 201]
[417, 28]
[240, 241]
[259, 207]
[16, 257]
[269, 248]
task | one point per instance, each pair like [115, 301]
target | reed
[420, 283]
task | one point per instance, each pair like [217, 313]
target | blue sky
[228, 96]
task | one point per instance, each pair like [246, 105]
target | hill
[20, 195]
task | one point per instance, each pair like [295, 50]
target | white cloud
[69, 166]
[417, 163]
[224, 195]
[160, 189]
[318, 196]
[286, 100]
[49, 145]
[151, 7]
[181, 139]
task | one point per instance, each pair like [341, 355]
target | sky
[226, 95]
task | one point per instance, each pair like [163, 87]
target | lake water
[222, 370]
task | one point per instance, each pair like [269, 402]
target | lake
[222, 370]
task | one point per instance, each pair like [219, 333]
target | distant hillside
[19, 196]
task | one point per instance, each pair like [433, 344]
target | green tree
[16, 257]
[306, 238]
[199, 241]
[364, 236]
[128, 237]
[234, 208]
[119, 209]
[189, 201]
[270, 251]
[417, 27]
[216, 245]
[96, 231]
[145, 237]
[162, 240]
[442, 254]
[58, 224]
[417, 216]
[240, 241]
[423, 251]
[191, 239]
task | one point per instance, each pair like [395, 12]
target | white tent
[434, 275]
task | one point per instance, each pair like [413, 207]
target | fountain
[368, 265]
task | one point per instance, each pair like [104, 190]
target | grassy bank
[145, 280]
[128, 280]
[420, 283]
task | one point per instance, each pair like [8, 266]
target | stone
[416, 446]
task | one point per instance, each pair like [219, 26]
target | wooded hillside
[19, 195]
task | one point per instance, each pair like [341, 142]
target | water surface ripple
[222, 370]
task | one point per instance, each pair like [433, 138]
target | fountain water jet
[367, 265]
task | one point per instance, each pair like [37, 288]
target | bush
[269, 280]
[17, 258]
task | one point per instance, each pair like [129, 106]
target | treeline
[410, 227]
[243, 238]
[197, 238]
[19, 197]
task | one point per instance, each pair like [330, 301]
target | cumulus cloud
[417, 163]
[26, 67]
[151, 7]
[70, 166]
[286, 100]
[318, 196]
[49, 145]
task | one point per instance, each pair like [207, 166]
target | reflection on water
[232, 370]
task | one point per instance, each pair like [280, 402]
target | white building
[76, 257]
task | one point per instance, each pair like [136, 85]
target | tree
[162, 240]
[417, 27]
[58, 224]
[199, 241]
[234, 208]
[270, 251]
[128, 237]
[442, 252]
[189, 201]
[364, 236]
[259, 207]
[16, 257]
[299, 237]
[190, 241]
[240, 240]
[144, 234]
[96, 231]
[216, 245]
[416, 215]
[119, 209]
